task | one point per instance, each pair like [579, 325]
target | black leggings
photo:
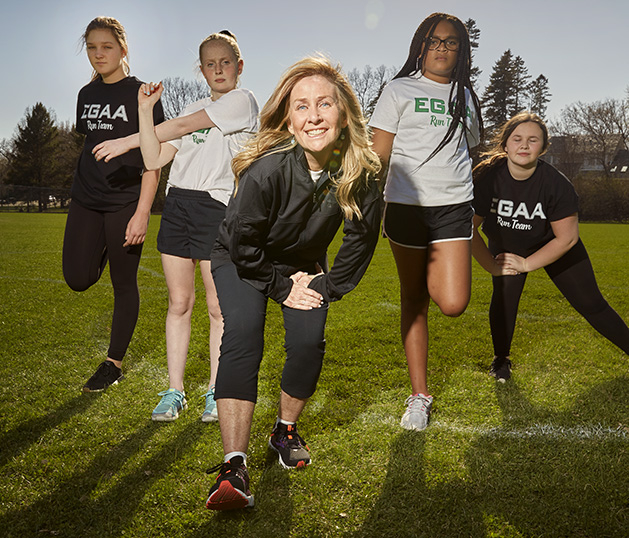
[244, 313]
[91, 239]
[574, 277]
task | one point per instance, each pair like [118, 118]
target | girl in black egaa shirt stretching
[111, 201]
[528, 211]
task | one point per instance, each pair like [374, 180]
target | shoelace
[294, 441]
[417, 403]
[170, 398]
[227, 468]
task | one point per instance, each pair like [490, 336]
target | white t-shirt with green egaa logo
[203, 160]
[416, 111]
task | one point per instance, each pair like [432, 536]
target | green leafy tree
[32, 159]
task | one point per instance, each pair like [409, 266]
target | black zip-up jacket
[280, 222]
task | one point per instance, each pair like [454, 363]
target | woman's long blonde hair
[496, 154]
[356, 155]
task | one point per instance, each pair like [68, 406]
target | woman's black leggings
[91, 239]
[244, 315]
[574, 277]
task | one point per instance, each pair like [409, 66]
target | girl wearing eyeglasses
[425, 122]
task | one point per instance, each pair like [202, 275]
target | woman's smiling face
[315, 119]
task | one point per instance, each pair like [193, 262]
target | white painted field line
[541, 431]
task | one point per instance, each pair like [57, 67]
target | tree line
[43, 152]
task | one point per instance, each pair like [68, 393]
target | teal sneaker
[172, 403]
[211, 413]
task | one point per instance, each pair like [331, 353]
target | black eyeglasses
[434, 43]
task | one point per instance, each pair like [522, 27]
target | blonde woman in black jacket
[309, 170]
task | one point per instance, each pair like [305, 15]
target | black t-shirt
[104, 112]
[518, 213]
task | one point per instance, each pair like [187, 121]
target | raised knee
[77, 283]
[453, 309]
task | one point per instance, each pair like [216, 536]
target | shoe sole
[498, 378]
[227, 497]
[209, 418]
[300, 464]
[166, 418]
[87, 389]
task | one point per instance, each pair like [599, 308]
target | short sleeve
[473, 131]
[233, 112]
[564, 199]
[386, 115]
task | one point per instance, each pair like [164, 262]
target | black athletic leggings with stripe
[91, 239]
[574, 277]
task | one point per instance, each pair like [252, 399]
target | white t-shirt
[203, 160]
[416, 111]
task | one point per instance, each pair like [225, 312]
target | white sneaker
[417, 412]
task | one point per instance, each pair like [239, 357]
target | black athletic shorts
[190, 222]
[417, 227]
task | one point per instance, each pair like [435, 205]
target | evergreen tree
[32, 160]
[521, 85]
[474, 33]
[539, 96]
[499, 99]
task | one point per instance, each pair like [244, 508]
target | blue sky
[580, 46]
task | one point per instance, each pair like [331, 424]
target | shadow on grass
[567, 476]
[18, 439]
[74, 508]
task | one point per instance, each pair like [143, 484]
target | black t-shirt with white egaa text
[518, 213]
[104, 112]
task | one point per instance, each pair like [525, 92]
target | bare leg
[291, 408]
[216, 318]
[236, 417]
[441, 272]
[179, 273]
[414, 299]
[449, 275]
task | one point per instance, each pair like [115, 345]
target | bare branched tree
[602, 124]
[369, 84]
[179, 93]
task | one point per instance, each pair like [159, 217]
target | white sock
[236, 453]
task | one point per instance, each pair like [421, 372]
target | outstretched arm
[169, 130]
[482, 254]
[566, 236]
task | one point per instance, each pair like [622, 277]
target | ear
[289, 125]
[241, 64]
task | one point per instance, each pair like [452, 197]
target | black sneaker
[105, 375]
[231, 490]
[292, 449]
[501, 369]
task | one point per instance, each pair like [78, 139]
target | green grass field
[546, 454]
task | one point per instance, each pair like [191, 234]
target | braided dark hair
[460, 76]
